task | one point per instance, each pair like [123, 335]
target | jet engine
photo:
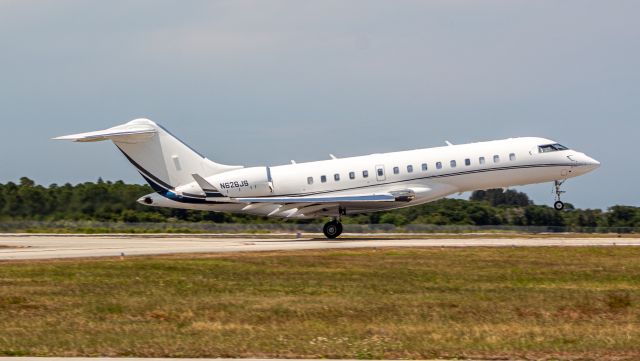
[245, 182]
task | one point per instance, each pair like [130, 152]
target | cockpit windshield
[551, 148]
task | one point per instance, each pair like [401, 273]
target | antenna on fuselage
[448, 143]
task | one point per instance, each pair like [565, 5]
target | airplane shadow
[344, 240]
[323, 239]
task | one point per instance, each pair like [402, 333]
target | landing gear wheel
[332, 229]
[558, 206]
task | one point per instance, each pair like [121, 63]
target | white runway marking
[21, 246]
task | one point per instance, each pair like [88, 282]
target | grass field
[535, 303]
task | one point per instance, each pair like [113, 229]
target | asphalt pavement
[26, 246]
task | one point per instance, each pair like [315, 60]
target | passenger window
[352, 175]
[323, 179]
[336, 177]
[409, 169]
[512, 157]
[380, 172]
[365, 174]
[309, 180]
[481, 160]
[439, 165]
[396, 170]
[496, 159]
[467, 162]
[424, 167]
[453, 164]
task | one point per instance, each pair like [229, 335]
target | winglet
[206, 186]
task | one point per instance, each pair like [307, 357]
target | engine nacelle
[245, 182]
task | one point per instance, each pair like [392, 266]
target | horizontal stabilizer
[385, 197]
[125, 133]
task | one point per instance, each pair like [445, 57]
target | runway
[25, 246]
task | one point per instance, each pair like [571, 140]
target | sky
[263, 82]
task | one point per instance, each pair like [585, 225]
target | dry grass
[535, 303]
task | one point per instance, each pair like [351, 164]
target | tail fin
[162, 159]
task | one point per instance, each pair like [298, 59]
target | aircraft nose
[587, 163]
[591, 162]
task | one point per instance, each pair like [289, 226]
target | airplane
[183, 178]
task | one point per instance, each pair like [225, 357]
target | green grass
[535, 303]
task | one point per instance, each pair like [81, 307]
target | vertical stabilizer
[162, 159]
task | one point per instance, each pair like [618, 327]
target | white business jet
[183, 178]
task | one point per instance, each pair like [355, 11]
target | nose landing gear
[332, 229]
[558, 205]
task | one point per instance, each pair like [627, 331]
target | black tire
[332, 229]
[558, 206]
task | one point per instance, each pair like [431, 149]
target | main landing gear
[333, 228]
[558, 205]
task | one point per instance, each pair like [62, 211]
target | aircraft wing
[308, 205]
[383, 197]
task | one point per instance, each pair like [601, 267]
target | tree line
[116, 202]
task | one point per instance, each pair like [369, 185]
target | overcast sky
[263, 82]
